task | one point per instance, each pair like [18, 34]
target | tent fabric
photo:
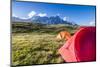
[81, 46]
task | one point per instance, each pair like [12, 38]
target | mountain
[43, 20]
[17, 19]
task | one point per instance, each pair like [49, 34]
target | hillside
[22, 27]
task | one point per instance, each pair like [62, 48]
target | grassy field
[38, 46]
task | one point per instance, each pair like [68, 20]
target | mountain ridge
[43, 20]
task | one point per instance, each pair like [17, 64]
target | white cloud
[31, 14]
[65, 18]
[92, 23]
[13, 15]
[24, 18]
[42, 14]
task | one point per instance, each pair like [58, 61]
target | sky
[82, 15]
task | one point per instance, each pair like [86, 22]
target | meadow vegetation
[36, 43]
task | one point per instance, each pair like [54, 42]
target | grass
[36, 44]
[32, 48]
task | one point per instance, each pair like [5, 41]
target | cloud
[92, 23]
[31, 14]
[14, 15]
[42, 14]
[65, 18]
[24, 18]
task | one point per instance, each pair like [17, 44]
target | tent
[81, 47]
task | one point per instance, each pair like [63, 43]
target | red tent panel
[81, 46]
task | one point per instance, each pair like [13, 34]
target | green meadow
[36, 43]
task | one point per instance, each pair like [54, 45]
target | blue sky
[82, 15]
